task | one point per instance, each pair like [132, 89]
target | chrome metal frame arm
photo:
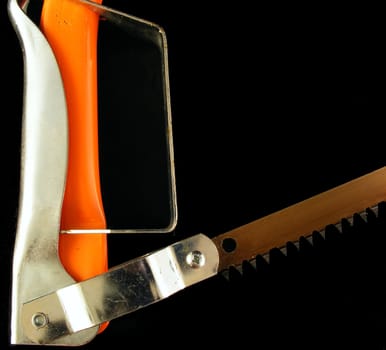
[37, 269]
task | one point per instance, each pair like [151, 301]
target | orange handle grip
[71, 29]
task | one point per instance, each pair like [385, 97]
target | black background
[271, 104]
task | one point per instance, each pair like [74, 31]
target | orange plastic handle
[71, 29]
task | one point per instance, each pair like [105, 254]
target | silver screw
[39, 320]
[195, 259]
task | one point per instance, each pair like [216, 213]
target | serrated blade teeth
[306, 246]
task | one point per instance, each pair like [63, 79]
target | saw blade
[258, 237]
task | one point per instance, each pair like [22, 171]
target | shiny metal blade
[311, 241]
[300, 219]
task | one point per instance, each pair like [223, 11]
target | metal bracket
[123, 289]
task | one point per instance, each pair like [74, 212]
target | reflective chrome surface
[36, 266]
[123, 289]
